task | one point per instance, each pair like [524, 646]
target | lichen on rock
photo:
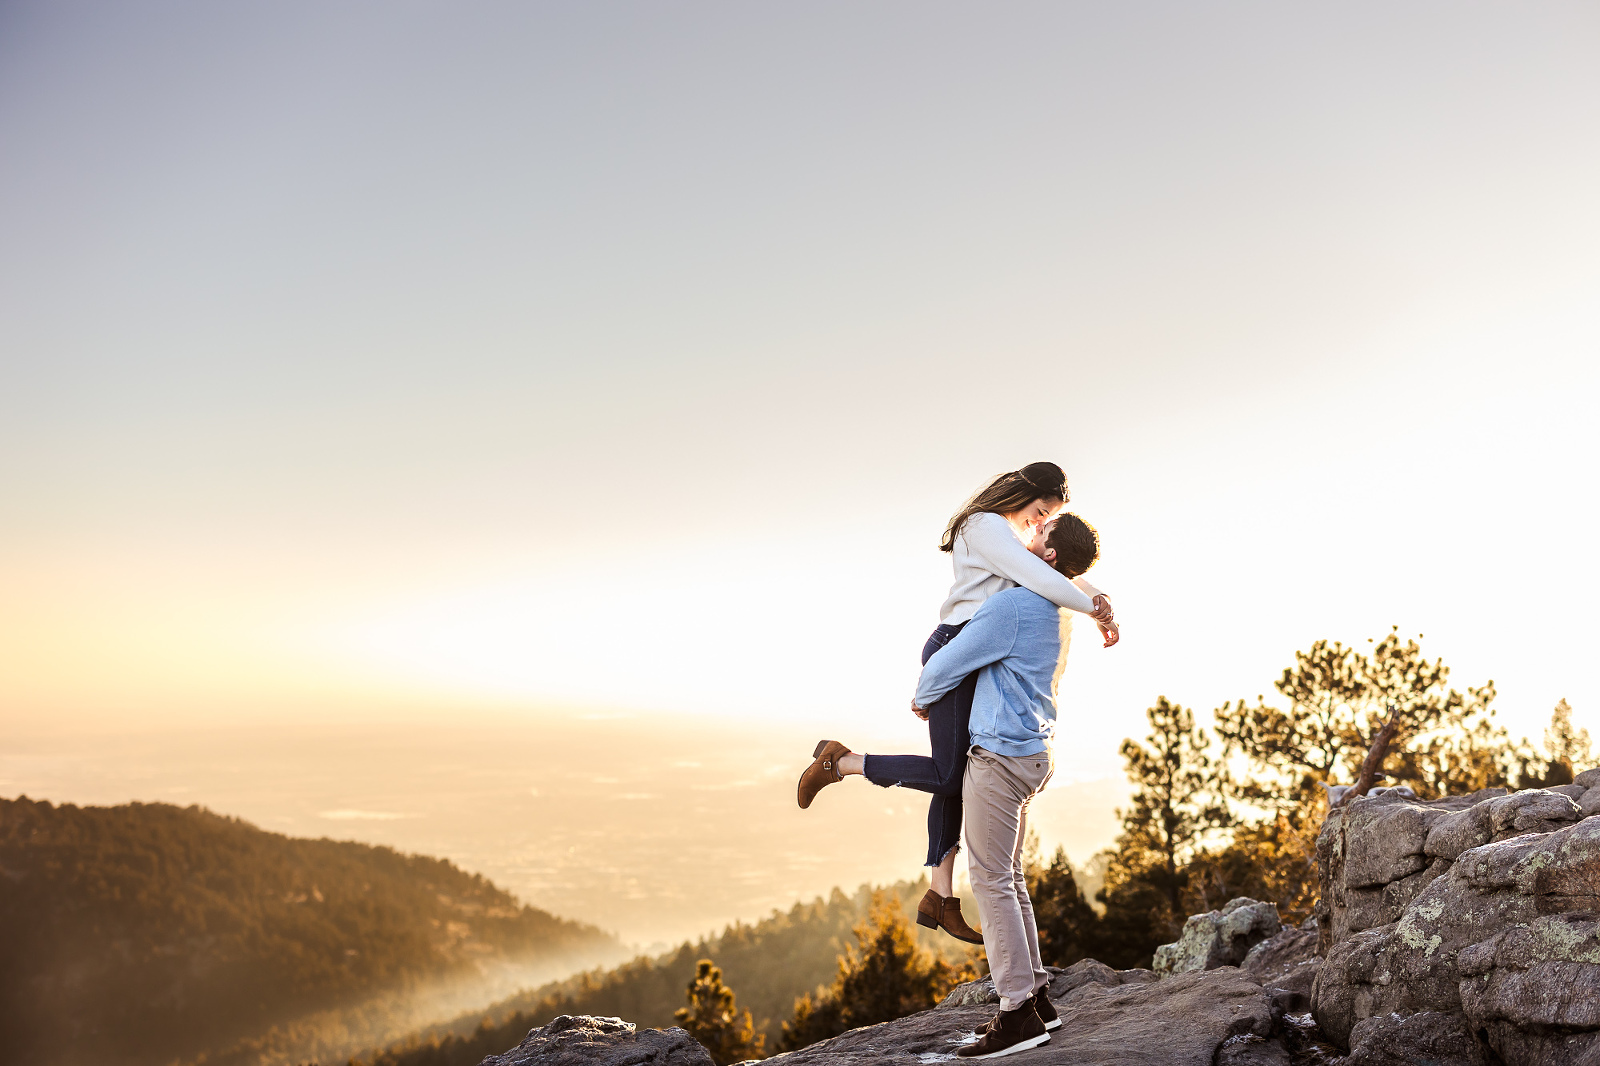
[1489, 953]
[1218, 938]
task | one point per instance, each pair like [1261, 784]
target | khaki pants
[996, 791]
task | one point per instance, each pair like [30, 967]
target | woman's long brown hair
[1008, 493]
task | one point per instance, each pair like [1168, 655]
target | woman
[986, 542]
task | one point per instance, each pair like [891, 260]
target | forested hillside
[148, 933]
[767, 964]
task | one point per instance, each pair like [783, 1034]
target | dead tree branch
[1375, 757]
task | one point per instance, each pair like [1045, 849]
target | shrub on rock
[883, 976]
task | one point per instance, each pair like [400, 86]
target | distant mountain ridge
[149, 933]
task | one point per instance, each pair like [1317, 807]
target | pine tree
[1566, 752]
[1069, 928]
[1176, 801]
[1468, 750]
[1138, 916]
[1279, 760]
[883, 976]
[727, 1033]
[1338, 698]
[1177, 805]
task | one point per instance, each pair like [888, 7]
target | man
[1014, 641]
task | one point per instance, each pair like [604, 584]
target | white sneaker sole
[1020, 1045]
[1051, 1026]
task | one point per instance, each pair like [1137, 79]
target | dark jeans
[941, 773]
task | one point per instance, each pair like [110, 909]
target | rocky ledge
[1201, 1017]
[1464, 930]
[1458, 932]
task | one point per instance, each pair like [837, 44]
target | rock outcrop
[587, 1041]
[1464, 930]
[1108, 1018]
[1219, 938]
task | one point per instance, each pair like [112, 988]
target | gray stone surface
[1218, 938]
[1544, 976]
[1286, 962]
[1534, 810]
[1492, 945]
[1459, 830]
[1427, 1038]
[1183, 1020]
[1386, 838]
[1062, 981]
[582, 1040]
[1252, 1050]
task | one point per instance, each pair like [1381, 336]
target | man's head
[1067, 543]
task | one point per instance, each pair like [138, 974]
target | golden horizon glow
[389, 370]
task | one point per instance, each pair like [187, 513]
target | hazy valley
[655, 832]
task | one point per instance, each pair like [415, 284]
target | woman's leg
[938, 773]
[943, 877]
[949, 721]
[939, 907]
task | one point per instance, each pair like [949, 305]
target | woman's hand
[1110, 632]
[1102, 611]
[920, 712]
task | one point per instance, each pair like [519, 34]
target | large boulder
[1536, 987]
[1463, 930]
[1218, 938]
[587, 1041]
[1425, 1038]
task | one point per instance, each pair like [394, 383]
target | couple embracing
[987, 694]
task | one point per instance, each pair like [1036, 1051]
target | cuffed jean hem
[913, 771]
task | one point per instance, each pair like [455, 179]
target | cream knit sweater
[990, 558]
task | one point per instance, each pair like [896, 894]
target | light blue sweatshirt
[1015, 641]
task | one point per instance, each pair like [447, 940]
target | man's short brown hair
[1076, 543]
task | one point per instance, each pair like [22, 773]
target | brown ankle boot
[944, 912]
[823, 771]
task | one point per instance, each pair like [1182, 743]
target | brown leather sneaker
[1010, 1031]
[1047, 1010]
[823, 771]
[944, 912]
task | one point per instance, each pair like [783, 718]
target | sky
[398, 365]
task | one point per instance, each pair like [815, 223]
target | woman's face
[1035, 514]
